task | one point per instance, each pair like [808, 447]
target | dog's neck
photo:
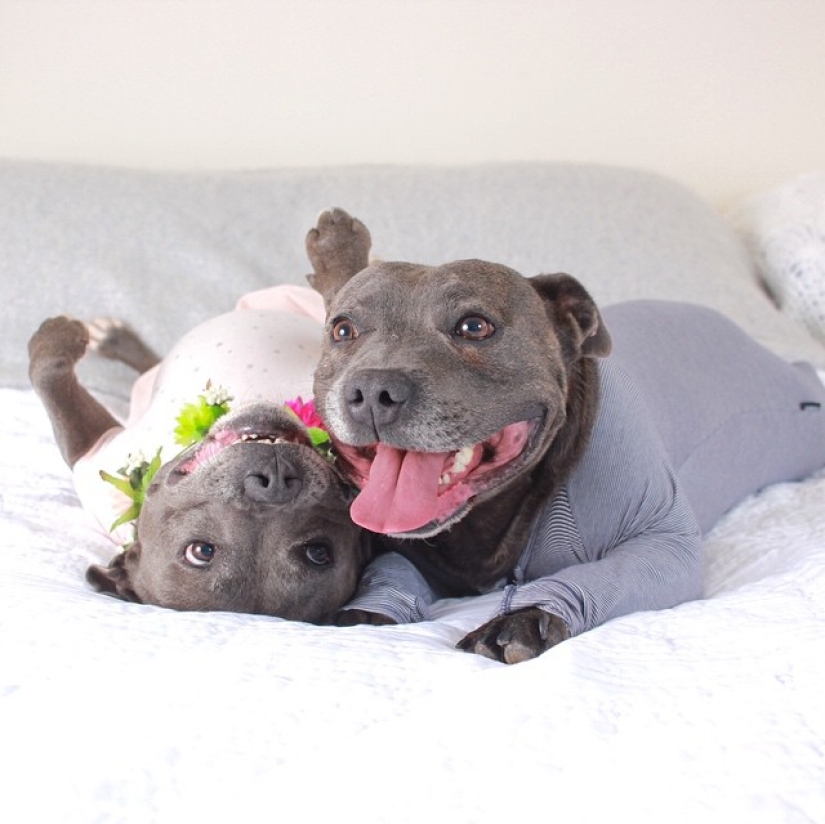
[482, 550]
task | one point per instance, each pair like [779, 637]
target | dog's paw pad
[339, 244]
[104, 332]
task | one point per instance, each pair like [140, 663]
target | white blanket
[110, 711]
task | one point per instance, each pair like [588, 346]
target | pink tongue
[401, 492]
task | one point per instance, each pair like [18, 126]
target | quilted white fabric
[116, 712]
[784, 228]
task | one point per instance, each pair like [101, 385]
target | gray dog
[250, 519]
[496, 445]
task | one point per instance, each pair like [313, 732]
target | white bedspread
[714, 711]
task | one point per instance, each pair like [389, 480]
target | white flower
[134, 460]
[216, 395]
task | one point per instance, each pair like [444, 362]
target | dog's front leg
[516, 637]
[78, 420]
[338, 248]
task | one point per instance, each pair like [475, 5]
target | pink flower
[306, 412]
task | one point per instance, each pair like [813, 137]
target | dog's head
[442, 385]
[251, 520]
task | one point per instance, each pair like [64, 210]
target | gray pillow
[167, 250]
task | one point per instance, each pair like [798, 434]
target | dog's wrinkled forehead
[394, 289]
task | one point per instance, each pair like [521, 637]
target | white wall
[727, 95]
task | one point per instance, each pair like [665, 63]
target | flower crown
[193, 423]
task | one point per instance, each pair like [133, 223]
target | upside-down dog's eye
[318, 554]
[199, 554]
[474, 327]
[343, 329]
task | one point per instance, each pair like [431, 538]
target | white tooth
[265, 439]
[462, 459]
[445, 479]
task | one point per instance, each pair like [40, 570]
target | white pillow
[784, 229]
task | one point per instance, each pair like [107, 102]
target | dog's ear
[338, 248]
[574, 314]
[116, 579]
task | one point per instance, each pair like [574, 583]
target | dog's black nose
[276, 481]
[376, 397]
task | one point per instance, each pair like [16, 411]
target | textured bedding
[117, 712]
[112, 711]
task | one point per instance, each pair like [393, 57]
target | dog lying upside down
[250, 519]
[505, 433]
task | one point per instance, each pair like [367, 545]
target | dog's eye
[474, 327]
[199, 553]
[318, 554]
[343, 329]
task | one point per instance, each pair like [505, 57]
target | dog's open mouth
[213, 445]
[245, 428]
[404, 491]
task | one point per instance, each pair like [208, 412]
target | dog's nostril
[281, 483]
[377, 397]
[256, 484]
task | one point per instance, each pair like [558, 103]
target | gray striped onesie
[694, 416]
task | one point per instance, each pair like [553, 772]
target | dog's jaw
[409, 493]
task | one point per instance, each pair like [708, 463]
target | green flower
[196, 419]
[194, 422]
[133, 480]
[321, 441]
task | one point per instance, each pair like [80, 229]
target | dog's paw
[56, 347]
[516, 637]
[105, 335]
[338, 248]
[353, 617]
[114, 339]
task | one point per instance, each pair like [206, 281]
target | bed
[113, 711]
